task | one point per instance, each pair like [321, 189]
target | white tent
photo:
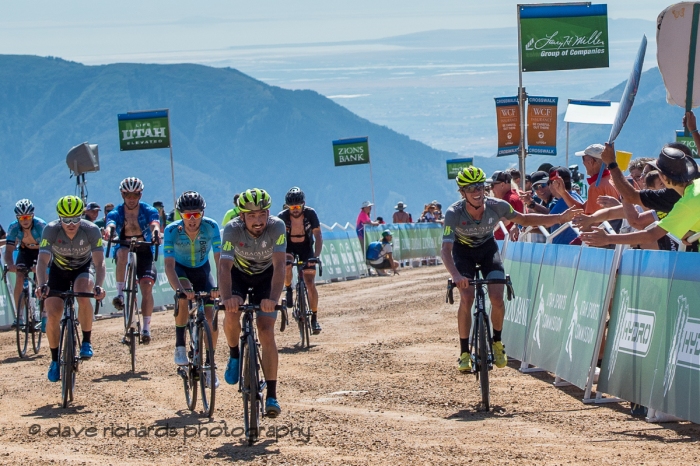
[597, 112]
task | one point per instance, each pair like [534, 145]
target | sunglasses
[131, 195]
[539, 186]
[70, 220]
[191, 215]
[295, 207]
[473, 187]
[22, 218]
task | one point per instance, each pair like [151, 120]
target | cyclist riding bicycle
[135, 219]
[26, 230]
[303, 240]
[468, 240]
[253, 257]
[71, 244]
[231, 213]
[186, 246]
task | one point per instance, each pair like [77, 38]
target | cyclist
[186, 246]
[71, 244]
[231, 213]
[253, 256]
[304, 240]
[468, 240]
[26, 230]
[135, 219]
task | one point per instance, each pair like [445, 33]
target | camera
[576, 176]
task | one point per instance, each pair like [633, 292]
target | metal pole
[371, 179]
[172, 165]
[567, 142]
[521, 103]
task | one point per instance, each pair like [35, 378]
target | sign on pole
[351, 151]
[688, 141]
[455, 166]
[563, 37]
[508, 122]
[144, 130]
[542, 125]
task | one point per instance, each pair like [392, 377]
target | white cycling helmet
[24, 207]
[131, 185]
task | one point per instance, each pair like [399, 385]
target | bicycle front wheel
[484, 362]
[130, 292]
[132, 336]
[23, 324]
[303, 319]
[192, 371]
[250, 383]
[36, 332]
[206, 348]
[67, 362]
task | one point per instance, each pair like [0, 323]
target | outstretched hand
[597, 237]
[608, 201]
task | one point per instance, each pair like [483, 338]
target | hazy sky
[96, 31]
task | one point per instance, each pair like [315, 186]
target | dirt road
[379, 386]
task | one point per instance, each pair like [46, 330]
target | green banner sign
[563, 37]
[688, 141]
[410, 240]
[455, 166]
[351, 151]
[144, 130]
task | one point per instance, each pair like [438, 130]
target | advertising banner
[542, 125]
[688, 141]
[455, 166]
[351, 151]
[144, 130]
[410, 240]
[508, 123]
[637, 325]
[547, 329]
[563, 37]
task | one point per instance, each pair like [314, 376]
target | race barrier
[341, 256]
[411, 240]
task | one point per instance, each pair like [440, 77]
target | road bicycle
[200, 370]
[300, 307]
[28, 313]
[481, 344]
[68, 353]
[132, 314]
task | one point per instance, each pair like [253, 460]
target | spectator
[161, 213]
[515, 176]
[438, 212]
[636, 169]
[400, 216]
[428, 215]
[92, 211]
[543, 201]
[386, 256]
[364, 219]
[380, 220]
[102, 221]
[502, 189]
[567, 236]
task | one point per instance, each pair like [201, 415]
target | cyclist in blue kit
[186, 246]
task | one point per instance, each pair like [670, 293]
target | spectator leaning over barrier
[438, 212]
[543, 200]
[385, 261]
[637, 169]
[502, 189]
[560, 205]
[364, 219]
[401, 216]
[678, 173]
[468, 240]
[428, 215]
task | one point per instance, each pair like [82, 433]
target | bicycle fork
[481, 309]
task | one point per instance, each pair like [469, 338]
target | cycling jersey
[187, 252]
[230, 215]
[71, 254]
[310, 224]
[15, 233]
[249, 254]
[462, 229]
[147, 215]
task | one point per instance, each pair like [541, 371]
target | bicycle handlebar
[449, 298]
[309, 261]
[132, 243]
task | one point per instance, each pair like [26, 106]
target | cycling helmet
[190, 200]
[24, 207]
[131, 185]
[295, 196]
[470, 175]
[254, 199]
[69, 206]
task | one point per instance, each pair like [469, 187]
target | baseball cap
[93, 206]
[367, 204]
[539, 177]
[501, 177]
[594, 150]
[563, 172]
[386, 233]
[158, 204]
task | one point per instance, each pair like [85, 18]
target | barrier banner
[7, 314]
[144, 130]
[637, 326]
[410, 240]
[584, 313]
[563, 37]
[522, 263]
[676, 389]
[546, 330]
[508, 125]
[338, 257]
[351, 151]
[542, 125]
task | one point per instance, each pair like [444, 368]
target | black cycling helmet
[294, 196]
[190, 200]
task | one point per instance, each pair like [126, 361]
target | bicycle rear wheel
[67, 361]
[250, 381]
[36, 332]
[23, 324]
[206, 352]
[484, 362]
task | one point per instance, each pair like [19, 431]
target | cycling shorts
[60, 279]
[145, 268]
[303, 250]
[256, 287]
[200, 277]
[27, 257]
[487, 256]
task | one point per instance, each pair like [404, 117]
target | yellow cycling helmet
[470, 175]
[254, 199]
[70, 206]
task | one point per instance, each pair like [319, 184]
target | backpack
[374, 250]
